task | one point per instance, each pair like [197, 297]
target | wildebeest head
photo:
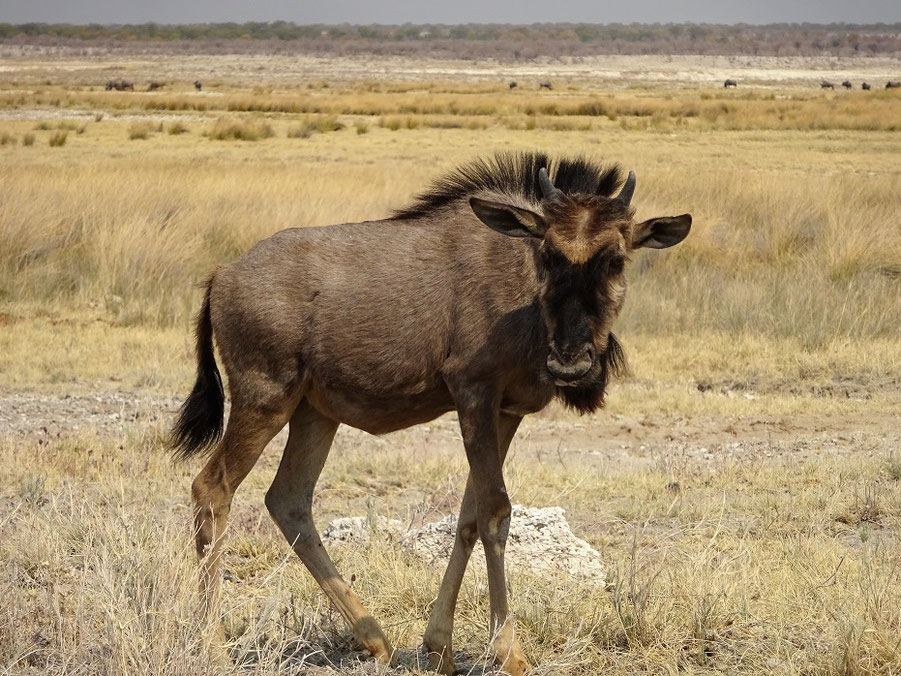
[585, 242]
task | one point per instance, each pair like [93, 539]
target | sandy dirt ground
[614, 442]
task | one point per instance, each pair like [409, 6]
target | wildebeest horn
[625, 195]
[547, 188]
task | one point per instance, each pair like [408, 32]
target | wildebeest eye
[616, 265]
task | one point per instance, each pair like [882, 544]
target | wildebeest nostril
[591, 352]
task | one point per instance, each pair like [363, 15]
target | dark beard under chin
[588, 397]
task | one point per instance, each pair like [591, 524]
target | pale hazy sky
[451, 11]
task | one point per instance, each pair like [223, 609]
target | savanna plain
[743, 485]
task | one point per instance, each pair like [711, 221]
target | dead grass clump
[58, 139]
[28, 139]
[396, 122]
[177, 128]
[312, 124]
[141, 130]
[72, 125]
[893, 466]
[240, 130]
[7, 139]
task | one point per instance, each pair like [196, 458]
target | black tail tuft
[199, 423]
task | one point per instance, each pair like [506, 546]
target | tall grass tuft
[312, 124]
[58, 139]
[140, 130]
[240, 130]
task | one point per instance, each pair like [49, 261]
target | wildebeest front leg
[479, 425]
[438, 635]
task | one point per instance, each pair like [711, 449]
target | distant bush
[239, 130]
[177, 128]
[43, 126]
[361, 127]
[7, 139]
[28, 139]
[58, 138]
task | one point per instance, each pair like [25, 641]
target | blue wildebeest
[827, 85]
[119, 85]
[494, 293]
[729, 83]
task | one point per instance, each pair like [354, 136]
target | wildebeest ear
[507, 219]
[660, 233]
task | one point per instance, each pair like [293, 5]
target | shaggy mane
[514, 174]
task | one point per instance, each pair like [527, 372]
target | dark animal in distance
[847, 84]
[494, 293]
[197, 85]
[892, 85]
[827, 85]
[729, 83]
[865, 86]
[120, 85]
[153, 86]
[513, 84]
[545, 85]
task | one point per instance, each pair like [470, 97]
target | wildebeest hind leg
[290, 502]
[249, 429]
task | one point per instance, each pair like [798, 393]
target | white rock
[356, 529]
[539, 542]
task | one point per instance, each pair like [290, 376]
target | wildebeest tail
[199, 423]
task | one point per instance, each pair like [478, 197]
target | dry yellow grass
[743, 565]
[692, 110]
[782, 308]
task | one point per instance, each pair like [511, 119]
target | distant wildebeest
[730, 83]
[892, 85]
[545, 85]
[513, 84]
[153, 86]
[494, 293]
[197, 85]
[865, 86]
[120, 85]
[827, 85]
[847, 84]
